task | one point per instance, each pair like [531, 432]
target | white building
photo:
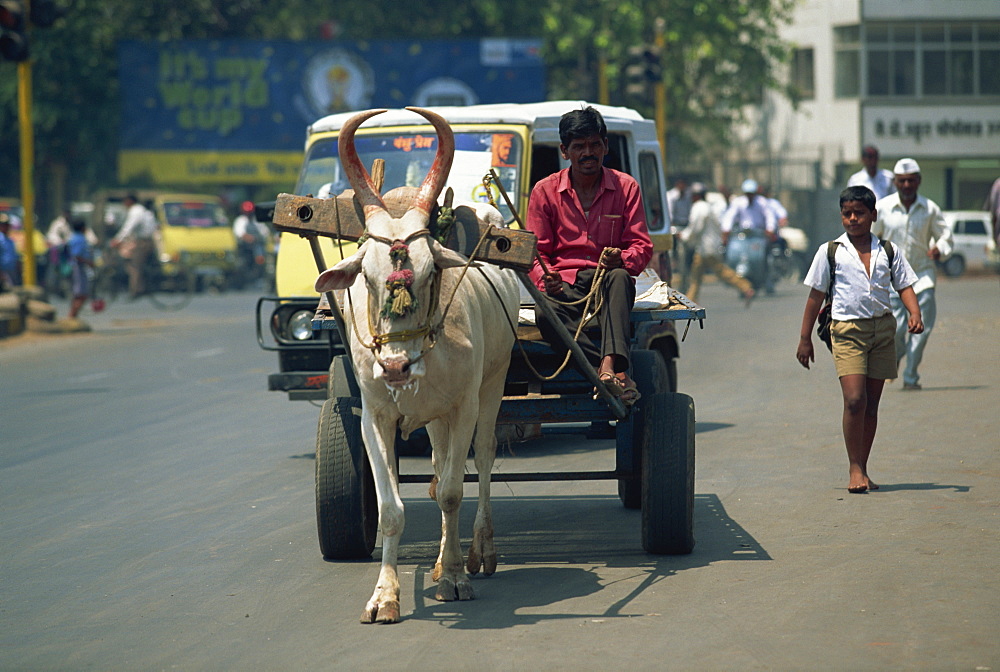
[917, 78]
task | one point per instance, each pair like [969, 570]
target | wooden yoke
[342, 217]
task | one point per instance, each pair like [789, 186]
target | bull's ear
[445, 257]
[343, 274]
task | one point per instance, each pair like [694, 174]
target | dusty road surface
[158, 513]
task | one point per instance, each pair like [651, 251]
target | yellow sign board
[164, 167]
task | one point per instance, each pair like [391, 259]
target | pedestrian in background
[704, 235]
[10, 260]
[914, 223]
[880, 181]
[135, 242]
[81, 256]
[993, 207]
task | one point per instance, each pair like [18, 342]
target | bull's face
[398, 261]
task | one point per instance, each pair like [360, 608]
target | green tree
[718, 57]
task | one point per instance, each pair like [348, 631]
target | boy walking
[863, 328]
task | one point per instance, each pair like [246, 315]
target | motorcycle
[747, 254]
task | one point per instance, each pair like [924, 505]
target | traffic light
[13, 27]
[45, 12]
[642, 70]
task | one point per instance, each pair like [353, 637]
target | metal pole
[27, 169]
[338, 315]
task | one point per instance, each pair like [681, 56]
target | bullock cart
[655, 439]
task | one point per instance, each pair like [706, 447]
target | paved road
[158, 514]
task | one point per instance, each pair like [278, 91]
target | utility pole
[660, 91]
[27, 169]
[16, 19]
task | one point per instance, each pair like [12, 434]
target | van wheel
[954, 266]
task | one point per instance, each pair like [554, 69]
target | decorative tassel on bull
[400, 302]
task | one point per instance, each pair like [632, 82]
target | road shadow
[538, 538]
[893, 487]
[948, 388]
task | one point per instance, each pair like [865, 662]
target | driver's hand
[612, 257]
[553, 283]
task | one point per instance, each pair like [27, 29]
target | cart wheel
[346, 506]
[651, 376]
[668, 474]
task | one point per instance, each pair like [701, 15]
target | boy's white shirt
[856, 295]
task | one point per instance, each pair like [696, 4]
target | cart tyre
[651, 376]
[346, 505]
[668, 474]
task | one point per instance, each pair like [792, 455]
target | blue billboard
[235, 111]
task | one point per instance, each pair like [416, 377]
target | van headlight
[300, 325]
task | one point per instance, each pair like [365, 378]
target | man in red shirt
[587, 216]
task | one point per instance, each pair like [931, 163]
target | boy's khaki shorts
[866, 347]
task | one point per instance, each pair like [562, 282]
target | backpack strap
[890, 251]
[831, 254]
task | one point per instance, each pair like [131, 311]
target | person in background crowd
[993, 207]
[81, 256]
[914, 223]
[679, 203]
[10, 260]
[749, 211]
[251, 237]
[879, 181]
[704, 235]
[136, 242]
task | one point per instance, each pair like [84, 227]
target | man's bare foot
[857, 489]
[872, 485]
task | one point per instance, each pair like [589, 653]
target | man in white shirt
[880, 181]
[704, 236]
[749, 211]
[137, 234]
[914, 223]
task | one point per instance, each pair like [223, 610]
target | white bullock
[422, 359]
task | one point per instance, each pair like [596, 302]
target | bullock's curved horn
[357, 175]
[438, 174]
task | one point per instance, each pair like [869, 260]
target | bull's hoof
[482, 555]
[385, 613]
[449, 589]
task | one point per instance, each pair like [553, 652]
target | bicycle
[169, 286]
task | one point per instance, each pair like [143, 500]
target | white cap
[906, 167]
[698, 188]
[749, 186]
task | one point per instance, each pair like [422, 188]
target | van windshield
[195, 215]
[408, 157]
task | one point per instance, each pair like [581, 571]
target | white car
[973, 241]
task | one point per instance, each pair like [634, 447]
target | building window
[802, 73]
[908, 60]
[847, 61]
